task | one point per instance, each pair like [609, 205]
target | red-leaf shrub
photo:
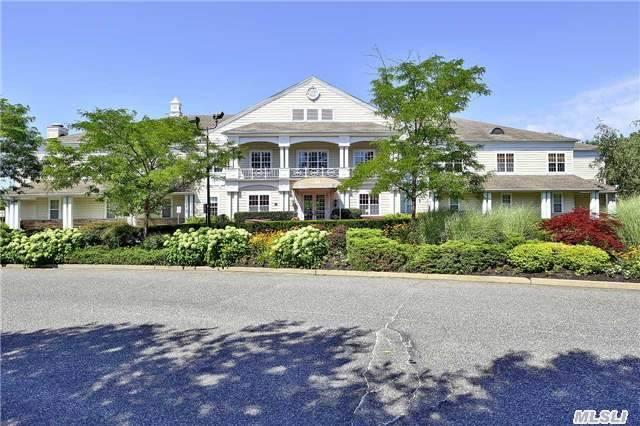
[579, 226]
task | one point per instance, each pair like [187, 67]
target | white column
[545, 205]
[67, 212]
[611, 203]
[436, 203]
[282, 157]
[16, 214]
[341, 150]
[397, 208]
[346, 156]
[486, 202]
[594, 203]
[9, 213]
[230, 210]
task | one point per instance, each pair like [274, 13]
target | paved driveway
[170, 347]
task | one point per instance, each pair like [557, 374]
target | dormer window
[312, 114]
[327, 114]
[297, 115]
[497, 131]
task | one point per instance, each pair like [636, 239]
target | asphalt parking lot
[198, 347]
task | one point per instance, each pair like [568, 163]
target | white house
[301, 142]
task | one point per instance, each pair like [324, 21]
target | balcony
[259, 174]
[297, 173]
[318, 172]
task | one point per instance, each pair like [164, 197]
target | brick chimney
[56, 130]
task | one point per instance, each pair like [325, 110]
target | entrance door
[314, 206]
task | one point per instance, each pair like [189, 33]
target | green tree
[19, 142]
[619, 160]
[424, 154]
[132, 164]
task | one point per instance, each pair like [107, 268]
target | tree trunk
[414, 206]
[146, 219]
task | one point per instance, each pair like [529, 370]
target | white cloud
[617, 105]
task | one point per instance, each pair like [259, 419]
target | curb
[478, 279]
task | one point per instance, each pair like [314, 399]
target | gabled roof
[310, 127]
[479, 131]
[585, 147]
[525, 183]
[290, 89]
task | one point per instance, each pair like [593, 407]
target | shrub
[45, 247]
[93, 231]
[430, 227]
[582, 259]
[457, 257]
[301, 248]
[154, 241]
[117, 256]
[216, 247]
[195, 220]
[628, 213]
[535, 256]
[337, 239]
[121, 235]
[497, 226]
[320, 224]
[403, 232]
[10, 245]
[346, 214]
[629, 264]
[240, 217]
[368, 250]
[226, 246]
[580, 227]
[260, 246]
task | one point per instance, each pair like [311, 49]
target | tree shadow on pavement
[281, 372]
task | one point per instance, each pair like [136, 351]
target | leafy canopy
[133, 164]
[619, 160]
[423, 154]
[19, 141]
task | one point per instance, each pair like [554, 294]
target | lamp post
[216, 118]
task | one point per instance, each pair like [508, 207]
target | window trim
[513, 163]
[170, 211]
[458, 204]
[564, 154]
[304, 114]
[106, 211]
[369, 204]
[59, 200]
[259, 195]
[298, 152]
[502, 204]
[355, 151]
[326, 119]
[261, 161]
[553, 194]
[217, 204]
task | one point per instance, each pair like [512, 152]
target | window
[369, 205]
[165, 208]
[217, 170]
[362, 156]
[454, 166]
[506, 200]
[557, 202]
[556, 162]
[110, 212]
[327, 114]
[260, 159]
[54, 209]
[406, 205]
[258, 203]
[312, 114]
[297, 115]
[313, 159]
[454, 204]
[213, 206]
[505, 163]
[497, 131]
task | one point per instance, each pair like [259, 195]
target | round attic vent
[497, 131]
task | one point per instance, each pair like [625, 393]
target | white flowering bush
[11, 245]
[215, 247]
[301, 248]
[45, 247]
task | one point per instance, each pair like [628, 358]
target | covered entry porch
[315, 197]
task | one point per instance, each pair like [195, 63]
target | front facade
[300, 143]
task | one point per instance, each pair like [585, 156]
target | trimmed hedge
[320, 224]
[369, 250]
[456, 257]
[100, 255]
[583, 259]
[534, 256]
[240, 217]
[540, 257]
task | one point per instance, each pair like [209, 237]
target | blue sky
[551, 66]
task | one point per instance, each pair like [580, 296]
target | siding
[334, 152]
[88, 208]
[245, 162]
[529, 158]
[582, 164]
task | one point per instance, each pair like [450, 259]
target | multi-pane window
[505, 163]
[313, 159]
[406, 205]
[258, 203]
[312, 114]
[217, 170]
[213, 206]
[362, 156]
[260, 159]
[297, 115]
[454, 166]
[165, 208]
[506, 200]
[110, 211]
[54, 209]
[369, 205]
[454, 204]
[327, 114]
[556, 162]
[557, 202]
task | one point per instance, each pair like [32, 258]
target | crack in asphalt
[392, 393]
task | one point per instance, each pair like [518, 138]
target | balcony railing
[300, 173]
[259, 174]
